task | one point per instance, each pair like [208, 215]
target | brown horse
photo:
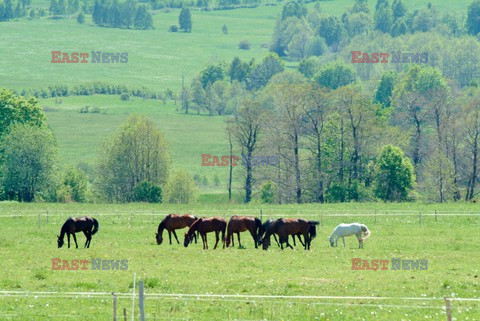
[285, 227]
[174, 222]
[239, 224]
[206, 225]
[265, 227]
[78, 224]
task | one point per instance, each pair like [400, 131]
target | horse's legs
[68, 237]
[232, 239]
[255, 237]
[216, 239]
[239, 244]
[204, 241]
[275, 237]
[75, 239]
[175, 234]
[300, 239]
[170, 236]
[343, 239]
[86, 236]
[293, 237]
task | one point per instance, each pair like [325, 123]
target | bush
[173, 28]
[125, 96]
[81, 18]
[180, 188]
[244, 45]
[76, 182]
[268, 192]
[147, 192]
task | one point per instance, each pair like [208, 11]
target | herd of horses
[261, 232]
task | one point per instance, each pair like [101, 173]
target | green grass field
[127, 232]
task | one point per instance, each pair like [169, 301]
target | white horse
[343, 230]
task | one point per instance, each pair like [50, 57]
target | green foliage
[398, 9]
[332, 29]
[239, 70]
[394, 176]
[121, 15]
[147, 192]
[30, 156]
[309, 67]
[316, 46]
[225, 29]
[143, 19]
[267, 193]
[262, 72]
[293, 9]
[185, 20]
[211, 74]
[76, 182]
[180, 188]
[244, 45]
[18, 110]
[385, 88]
[335, 75]
[384, 19]
[137, 152]
[473, 18]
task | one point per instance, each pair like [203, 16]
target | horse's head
[59, 241]
[331, 241]
[159, 238]
[187, 240]
[265, 243]
[227, 241]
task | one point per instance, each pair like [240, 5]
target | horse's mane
[273, 227]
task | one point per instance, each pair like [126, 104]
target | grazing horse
[285, 227]
[206, 225]
[173, 222]
[343, 230]
[239, 224]
[78, 224]
[265, 227]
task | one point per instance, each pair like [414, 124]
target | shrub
[125, 96]
[173, 28]
[244, 45]
[180, 188]
[268, 192]
[147, 192]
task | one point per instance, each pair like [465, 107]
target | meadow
[448, 242]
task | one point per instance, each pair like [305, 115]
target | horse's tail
[366, 232]
[258, 228]
[95, 226]
[313, 229]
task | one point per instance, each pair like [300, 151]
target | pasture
[448, 241]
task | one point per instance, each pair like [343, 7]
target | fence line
[6, 293]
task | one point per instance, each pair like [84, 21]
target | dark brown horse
[75, 225]
[285, 227]
[265, 227]
[206, 225]
[239, 224]
[174, 222]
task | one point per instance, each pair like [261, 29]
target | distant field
[448, 244]
[157, 58]
[80, 135]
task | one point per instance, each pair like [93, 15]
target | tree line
[413, 137]
[134, 164]
[128, 14]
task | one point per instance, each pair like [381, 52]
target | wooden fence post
[141, 303]
[448, 309]
[114, 306]
[38, 219]
[420, 218]
[124, 314]
[47, 216]
[436, 216]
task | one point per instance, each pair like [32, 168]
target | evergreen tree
[473, 18]
[185, 20]
[81, 18]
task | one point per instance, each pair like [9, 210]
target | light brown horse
[173, 222]
[239, 224]
[291, 226]
[74, 225]
[206, 225]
